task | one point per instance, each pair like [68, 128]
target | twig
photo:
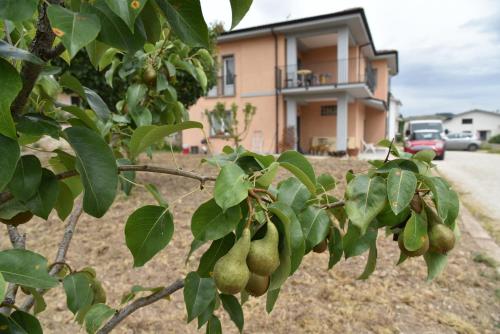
[6, 196]
[389, 151]
[267, 192]
[55, 52]
[139, 303]
[18, 241]
[250, 212]
[63, 248]
[333, 205]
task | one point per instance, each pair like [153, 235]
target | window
[466, 120]
[330, 110]
[426, 135]
[228, 75]
[220, 126]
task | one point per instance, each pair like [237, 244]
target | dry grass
[314, 300]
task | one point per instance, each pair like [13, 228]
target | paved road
[476, 176]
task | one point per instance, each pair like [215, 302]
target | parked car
[426, 140]
[423, 124]
[462, 141]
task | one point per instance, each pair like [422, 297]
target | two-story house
[314, 78]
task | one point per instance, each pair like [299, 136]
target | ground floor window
[219, 123]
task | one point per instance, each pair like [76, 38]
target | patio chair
[368, 147]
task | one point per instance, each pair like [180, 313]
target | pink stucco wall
[255, 77]
[381, 91]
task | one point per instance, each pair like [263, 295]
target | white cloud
[456, 41]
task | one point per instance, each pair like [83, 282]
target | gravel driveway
[476, 176]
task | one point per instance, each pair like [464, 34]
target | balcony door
[228, 74]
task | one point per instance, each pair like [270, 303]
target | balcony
[225, 87]
[356, 71]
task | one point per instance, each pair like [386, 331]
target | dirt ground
[464, 299]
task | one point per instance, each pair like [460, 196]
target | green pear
[263, 258]
[231, 273]
[421, 251]
[441, 238]
[257, 285]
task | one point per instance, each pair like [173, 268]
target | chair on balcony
[368, 147]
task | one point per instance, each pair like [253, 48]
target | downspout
[276, 96]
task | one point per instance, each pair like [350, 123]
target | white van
[428, 124]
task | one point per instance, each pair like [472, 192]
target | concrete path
[476, 176]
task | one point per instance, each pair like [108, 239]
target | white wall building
[484, 124]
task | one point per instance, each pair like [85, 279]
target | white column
[342, 111]
[291, 119]
[392, 116]
[343, 55]
[291, 60]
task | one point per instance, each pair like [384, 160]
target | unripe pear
[257, 285]
[441, 238]
[20, 218]
[231, 273]
[421, 251]
[264, 258]
[149, 76]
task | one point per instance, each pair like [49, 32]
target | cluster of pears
[439, 239]
[248, 264]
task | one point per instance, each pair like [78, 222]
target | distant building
[481, 123]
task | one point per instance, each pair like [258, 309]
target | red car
[425, 140]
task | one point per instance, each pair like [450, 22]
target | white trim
[259, 93]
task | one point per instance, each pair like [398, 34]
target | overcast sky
[449, 50]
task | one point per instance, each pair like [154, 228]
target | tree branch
[333, 205]
[69, 230]
[18, 242]
[139, 303]
[389, 151]
[6, 196]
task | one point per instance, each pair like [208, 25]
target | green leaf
[153, 190]
[75, 30]
[293, 233]
[145, 136]
[205, 316]
[26, 268]
[356, 244]
[415, 231]
[152, 23]
[79, 292]
[95, 317]
[435, 264]
[186, 19]
[82, 115]
[65, 162]
[371, 262]
[214, 326]
[17, 10]
[401, 186]
[10, 85]
[127, 10]
[453, 208]
[365, 198]
[271, 298]
[195, 245]
[324, 183]
[425, 155]
[148, 230]
[35, 124]
[299, 166]
[233, 308]
[25, 323]
[26, 178]
[42, 203]
[114, 32]
[404, 164]
[97, 104]
[209, 222]
[10, 51]
[70, 82]
[95, 51]
[3, 286]
[9, 151]
[40, 304]
[217, 249]
[440, 195]
[315, 225]
[231, 186]
[129, 176]
[97, 167]
[335, 248]
[239, 9]
[199, 292]
[293, 193]
[137, 289]
[267, 178]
